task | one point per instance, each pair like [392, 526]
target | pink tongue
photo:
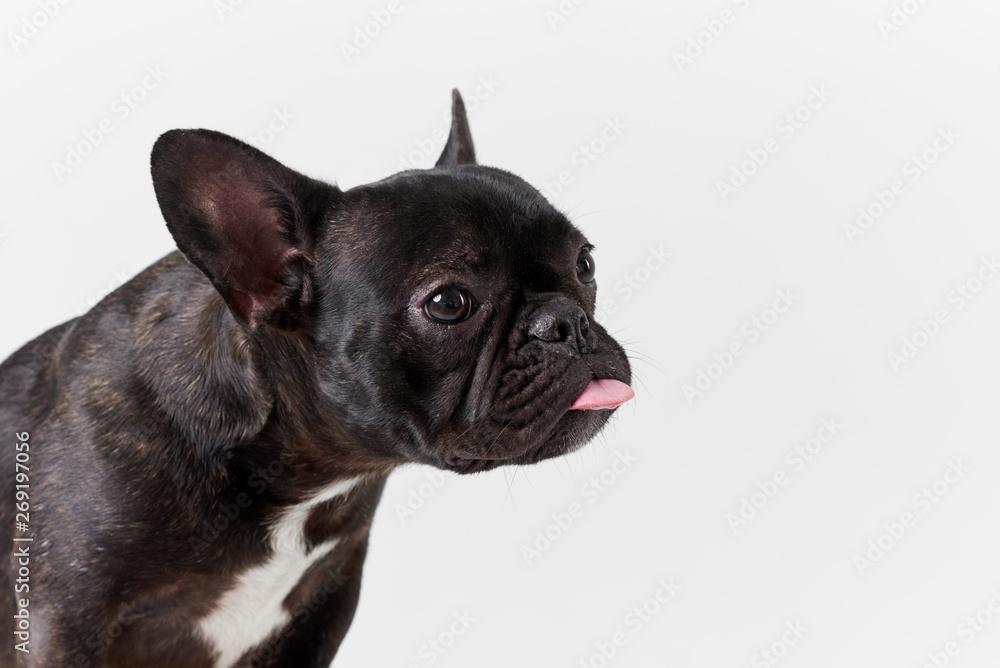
[605, 393]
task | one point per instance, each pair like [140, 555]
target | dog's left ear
[247, 221]
[459, 149]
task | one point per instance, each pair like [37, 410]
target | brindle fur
[265, 363]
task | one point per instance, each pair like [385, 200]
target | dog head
[448, 313]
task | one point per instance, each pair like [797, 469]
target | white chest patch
[251, 611]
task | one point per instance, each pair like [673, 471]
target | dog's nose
[561, 321]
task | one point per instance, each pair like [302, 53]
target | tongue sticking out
[605, 393]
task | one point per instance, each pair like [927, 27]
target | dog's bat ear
[459, 149]
[247, 221]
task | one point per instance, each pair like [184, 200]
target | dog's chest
[253, 610]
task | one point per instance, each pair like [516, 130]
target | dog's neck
[231, 391]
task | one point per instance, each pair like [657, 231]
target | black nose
[560, 321]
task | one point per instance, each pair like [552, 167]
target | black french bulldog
[201, 453]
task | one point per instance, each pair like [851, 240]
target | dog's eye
[449, 305]
[585, 268]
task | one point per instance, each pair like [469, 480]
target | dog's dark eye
[585, 268]
[449, 305]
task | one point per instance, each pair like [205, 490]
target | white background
[64, 242]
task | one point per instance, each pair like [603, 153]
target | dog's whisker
[497, 437]
[510, 485]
